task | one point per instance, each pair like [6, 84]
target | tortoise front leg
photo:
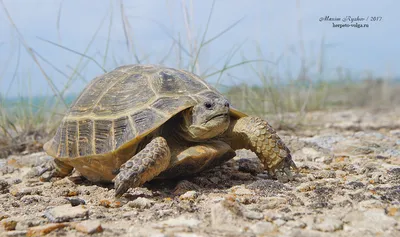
[143, 166]
[258, 136]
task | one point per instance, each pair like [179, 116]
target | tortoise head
[209, 118]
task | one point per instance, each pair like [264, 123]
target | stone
[374, 220]
[9, 224]
[183, 186]
[328, 225]
[4, 185]
[270, 187]
[279, 222]
[89, 226]
[252, 215]
[263, 228]
[189, 195]
[16, 233]
[19, 191]
[180, 221]
[273, 202]
[307, 233]
[76, 201]
[44, 229]
[249, 165]
[369, 204]
[67, 213]
[296, 224]
[141, 203]
[224, 218]
[185, 234]
[306, 187]
[240, 190]
[311, 154]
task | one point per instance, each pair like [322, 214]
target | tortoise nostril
[226, 104]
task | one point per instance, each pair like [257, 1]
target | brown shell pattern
[124, 104]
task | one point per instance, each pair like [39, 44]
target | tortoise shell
[118, 109]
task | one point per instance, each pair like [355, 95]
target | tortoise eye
[208, 105]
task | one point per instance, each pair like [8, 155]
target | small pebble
[141, 203]
[44, 229]
[67, 213]
[89, 226]
[189, 195]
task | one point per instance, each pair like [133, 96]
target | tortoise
[140, 122]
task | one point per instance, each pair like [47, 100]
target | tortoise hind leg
[143, 166]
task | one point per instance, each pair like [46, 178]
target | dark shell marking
[126, 103]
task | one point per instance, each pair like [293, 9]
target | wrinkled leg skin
[257, 135]
[143, 166]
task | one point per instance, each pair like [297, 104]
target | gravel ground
[348, 185]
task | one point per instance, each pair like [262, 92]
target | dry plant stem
[30, 52]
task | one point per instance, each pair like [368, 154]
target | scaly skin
[257, 135]
[143, 166]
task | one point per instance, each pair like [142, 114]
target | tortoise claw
[121, 186]
[283, 172]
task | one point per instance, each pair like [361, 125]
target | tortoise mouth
[217, 116]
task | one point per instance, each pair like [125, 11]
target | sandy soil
[348, 185]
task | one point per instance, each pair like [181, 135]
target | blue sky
[272, 26]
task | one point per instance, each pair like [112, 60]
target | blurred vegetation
[28, 121]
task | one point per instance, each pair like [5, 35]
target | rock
[183, 186]
[224, 217]
[189, 195]
[139, 231]
[296, 224]
[44, 229]
[370, 204]
[30, 160]
[324, 141]
[373, 220]
[4, 185]
[328, 224]
[325, 174]
[240, 190]
[306, 187]
[180, 221]
[184, 234]
[16, 233]
[9, 224]
[89, 226]
[76, 201]
[20, 190]
[273, 202]
[67, 213]
[311, 154]
[279, 222]
[252, 215]
[268, 187]
[130, 214]
[250, 165]
[141, 203]
[4, 216]
[26, 222]
[307, 233]
[263, 228]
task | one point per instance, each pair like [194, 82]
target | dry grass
[25, 122]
